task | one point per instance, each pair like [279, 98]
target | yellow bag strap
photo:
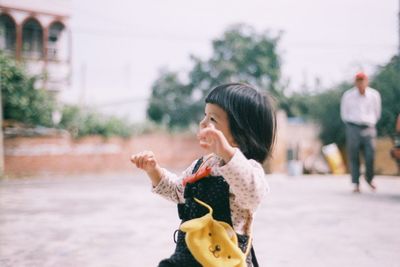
[204, 204]
[247, 251]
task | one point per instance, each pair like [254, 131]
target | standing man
[360, 110]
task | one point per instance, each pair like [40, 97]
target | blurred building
[37, 33]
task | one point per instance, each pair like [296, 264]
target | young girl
[238, 130]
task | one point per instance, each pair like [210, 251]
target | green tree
[21, 101]
[240, 55]
[298, 104]
[324, 107]
[171, 101]
[387, 81]
[325, 110]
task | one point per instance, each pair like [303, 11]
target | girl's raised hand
[214, 141]
[145, 160]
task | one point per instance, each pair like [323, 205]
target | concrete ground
[114, 220]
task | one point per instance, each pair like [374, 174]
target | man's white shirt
[361, 109]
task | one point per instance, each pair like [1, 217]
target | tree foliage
[35, 107]
[324, 107]
[240, 55]
[21, 101]
[171, 101]
[387, 81]
[326, 112]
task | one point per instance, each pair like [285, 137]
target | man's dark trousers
[360, 138]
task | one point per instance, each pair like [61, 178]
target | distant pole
[1, 134]
[83, 86]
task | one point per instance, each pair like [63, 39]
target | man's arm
[343, 108]
[378, 107]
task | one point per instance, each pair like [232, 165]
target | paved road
[114, 220]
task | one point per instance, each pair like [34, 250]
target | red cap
[361, 76]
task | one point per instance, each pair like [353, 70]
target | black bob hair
[251, 116]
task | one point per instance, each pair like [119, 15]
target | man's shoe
[356, 189]
[372, 185]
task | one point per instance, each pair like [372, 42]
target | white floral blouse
[247, 186]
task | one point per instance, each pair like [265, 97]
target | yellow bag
[213, 243]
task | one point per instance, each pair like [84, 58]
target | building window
[56, 41]
[32, 39]
[7, 34]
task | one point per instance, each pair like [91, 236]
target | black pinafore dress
[214, 191]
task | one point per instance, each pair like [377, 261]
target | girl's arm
[246, 179]
[147, 161]
[170, 185]
[164, 183]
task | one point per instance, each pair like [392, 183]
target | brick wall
[61, 154]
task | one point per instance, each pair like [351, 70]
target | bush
[21, 101]
[82, 123]
[35, 107]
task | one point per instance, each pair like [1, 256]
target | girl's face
[216, 116]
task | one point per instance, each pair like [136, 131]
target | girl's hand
[145, 160]
[214, 141]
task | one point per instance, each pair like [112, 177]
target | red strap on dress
[201, 173]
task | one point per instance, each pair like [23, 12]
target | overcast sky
[119, 46]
